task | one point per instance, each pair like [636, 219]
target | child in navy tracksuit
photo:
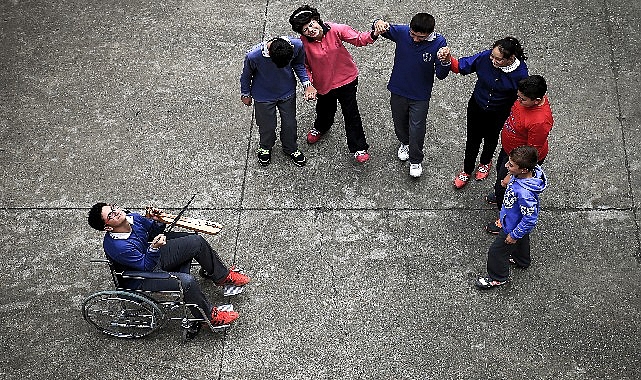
[519, 214]
[415, 65]
[268, 79]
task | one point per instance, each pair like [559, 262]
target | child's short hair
[534, 86]
[525, 156]
[281, 51]
[423, 23]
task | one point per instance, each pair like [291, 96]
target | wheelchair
[133, 313]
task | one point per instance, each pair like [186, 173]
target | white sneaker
[404, 152]
[416, 170]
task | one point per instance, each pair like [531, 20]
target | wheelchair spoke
[123, 314]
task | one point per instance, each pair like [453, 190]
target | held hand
[310, 93]
[159, 241]
[380, 27]
[509, 239]
[247, 100]
[444, 54]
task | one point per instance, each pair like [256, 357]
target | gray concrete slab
[358, 271]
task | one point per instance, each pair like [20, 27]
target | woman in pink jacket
[334, 75]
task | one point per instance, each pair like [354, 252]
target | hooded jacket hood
[536, 184]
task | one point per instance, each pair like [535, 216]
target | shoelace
[484, 168]
[463, 177]
[314, 132]
[234, 277]
[214, 316]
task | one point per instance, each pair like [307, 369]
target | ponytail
[510, 46]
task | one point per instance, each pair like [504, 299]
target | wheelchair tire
[123, 314]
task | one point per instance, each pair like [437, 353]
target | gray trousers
[410, 117]
[266, 121]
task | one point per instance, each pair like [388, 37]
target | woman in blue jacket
[498, 72]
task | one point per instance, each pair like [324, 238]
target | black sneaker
[491, 198]
[264, 156]
[298, 158]
[486, 282]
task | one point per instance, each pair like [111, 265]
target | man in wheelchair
[134, 242]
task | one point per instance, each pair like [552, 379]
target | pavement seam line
[615, 68]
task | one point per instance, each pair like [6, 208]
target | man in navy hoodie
[519, 214]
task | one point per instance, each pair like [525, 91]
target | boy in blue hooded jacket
[519, 214]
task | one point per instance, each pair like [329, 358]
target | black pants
[498, 265]
[326, 106]
[176, 257]
[482, 127]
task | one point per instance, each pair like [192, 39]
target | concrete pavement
[359, 272]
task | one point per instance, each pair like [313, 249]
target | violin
[198, 225]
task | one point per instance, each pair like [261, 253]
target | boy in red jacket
[529, 123]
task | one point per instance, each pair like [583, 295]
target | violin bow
[171, 226]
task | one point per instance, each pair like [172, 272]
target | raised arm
[354, 37]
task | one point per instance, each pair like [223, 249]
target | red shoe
[313, 136]
[461, 180]
[220, 317]
[483, 171]
[361, 156]
[234, 278]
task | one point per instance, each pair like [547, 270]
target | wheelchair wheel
[123, 314]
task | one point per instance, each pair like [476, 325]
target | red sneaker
[313, 136]
[220, 317]
[483, 171]
[461, 180]
[361, 156]
[234, 278]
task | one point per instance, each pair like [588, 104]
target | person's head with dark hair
[522, 160]
[107, 217]
[281, 51]
[95, 216]
[421, 26]
[307, 21]
[533, 87]
[505, 51]
[423, 23]
[510, 46]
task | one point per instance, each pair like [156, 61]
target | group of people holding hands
[506, 103]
